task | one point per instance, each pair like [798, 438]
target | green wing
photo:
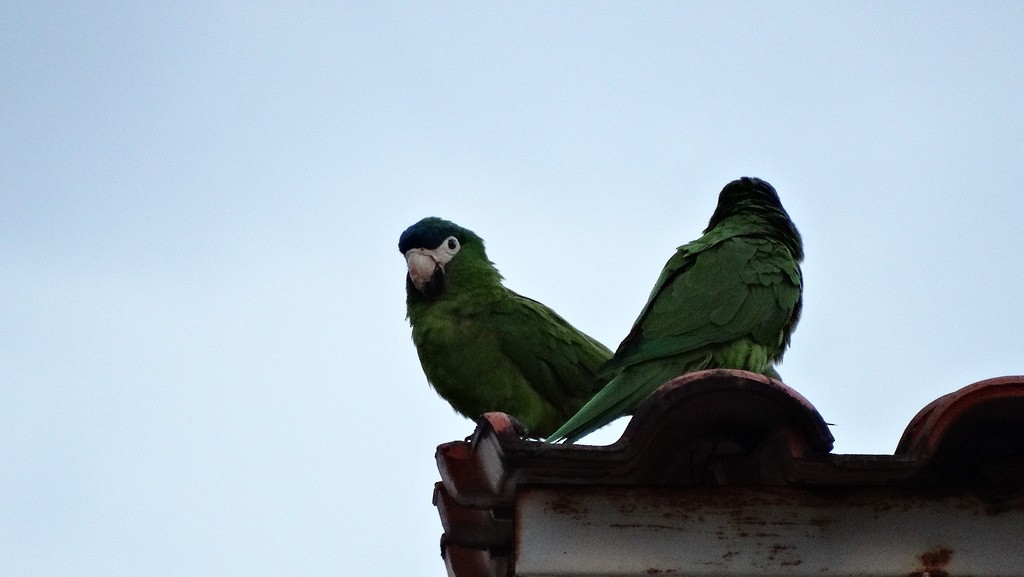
[740, 288]
[721, 301]
[557, 360]
[507, 353]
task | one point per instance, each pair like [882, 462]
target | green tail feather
[619, 397]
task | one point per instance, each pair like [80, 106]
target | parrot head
[750, 196]
[429, 247]
[741, 195]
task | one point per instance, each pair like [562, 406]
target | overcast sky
[205, 368]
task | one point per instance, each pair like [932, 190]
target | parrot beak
[425, 272]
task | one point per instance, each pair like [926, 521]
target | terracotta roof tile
[734, 431]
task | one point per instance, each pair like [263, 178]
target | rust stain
[627, 508]
[565, 506]
[653, 526]
[934, 562]
[776, 549]
[937, 557]
[820, 522]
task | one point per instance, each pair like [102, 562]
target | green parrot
[729, 299]
[482, 346]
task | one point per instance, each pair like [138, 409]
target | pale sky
[204, 361]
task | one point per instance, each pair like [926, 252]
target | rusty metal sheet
[748, 531]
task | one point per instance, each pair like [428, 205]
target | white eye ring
[447, 250]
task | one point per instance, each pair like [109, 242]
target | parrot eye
[447, 249]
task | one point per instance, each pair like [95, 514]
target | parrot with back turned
[484, 347]
[729, 299]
